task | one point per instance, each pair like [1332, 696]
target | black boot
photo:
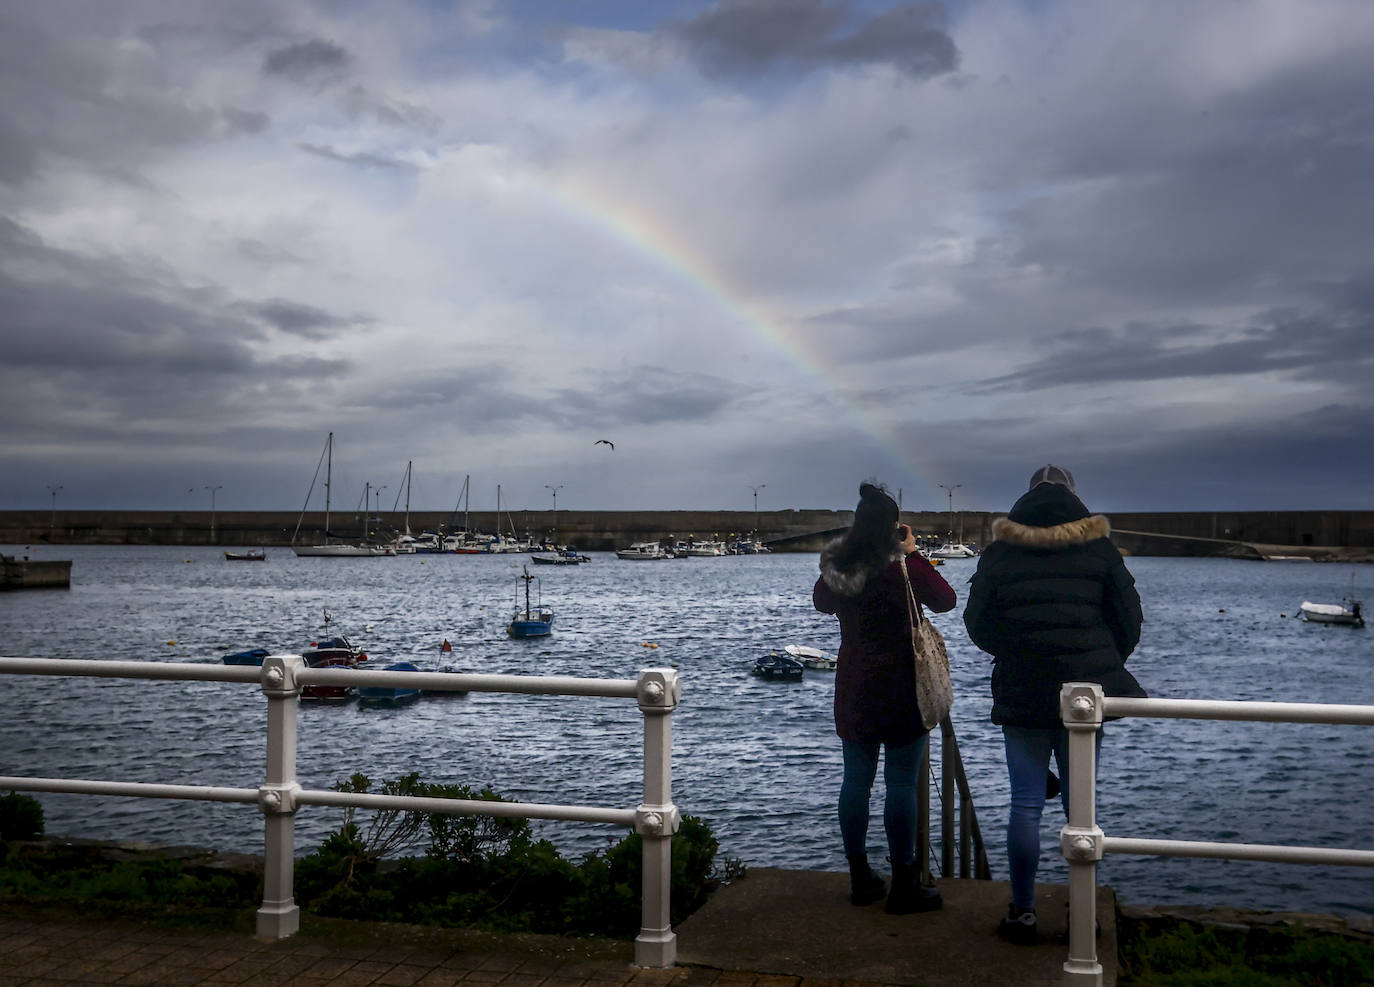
[865, 887]
[908, 894]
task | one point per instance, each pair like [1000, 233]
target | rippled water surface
[759, 761]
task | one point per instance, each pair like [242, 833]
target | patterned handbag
[934, 691]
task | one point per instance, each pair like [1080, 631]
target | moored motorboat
[252, 555]
[642, 551]
[815, 658]
[1348, 612]
[776, 667]
[532, 621]
[561, 556]
[334, 652]
[390, 695]
[953, 550]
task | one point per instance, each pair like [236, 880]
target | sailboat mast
[328, 477]
[409, 464]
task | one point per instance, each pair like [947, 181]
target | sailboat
[328, 547]
[404, 543]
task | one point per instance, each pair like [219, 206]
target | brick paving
[773, 929]
[39, 951]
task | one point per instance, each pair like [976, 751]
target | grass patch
[1190, 954]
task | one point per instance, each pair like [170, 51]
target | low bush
[476, 871]
[488, 872]
[21, 817]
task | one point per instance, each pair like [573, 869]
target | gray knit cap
[1052, 474]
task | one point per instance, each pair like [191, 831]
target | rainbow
[644, 234]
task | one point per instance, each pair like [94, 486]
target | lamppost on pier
[52, 518]
[950, 491]
[212, 507]
[555, 490]
[756, 490]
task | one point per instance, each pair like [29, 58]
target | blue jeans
[1028, 761]
[899, 805]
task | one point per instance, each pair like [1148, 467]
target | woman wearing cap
[875, 690]
[1052, 602]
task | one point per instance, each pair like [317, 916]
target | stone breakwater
[25, 573]
[1320, 535]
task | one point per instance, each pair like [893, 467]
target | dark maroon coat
[875, 684]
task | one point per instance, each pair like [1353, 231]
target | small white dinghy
[813, 657]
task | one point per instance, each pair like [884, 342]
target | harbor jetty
[1344, 536]
[26, 573]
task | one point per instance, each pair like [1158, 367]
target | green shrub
[1188, 954]
[488, 872]
[21, 817]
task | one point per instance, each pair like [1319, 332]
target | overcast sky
[790, 243]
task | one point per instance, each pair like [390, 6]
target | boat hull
[337, 551]
[1330, 613]
[370, 695]
[333, 654]
[778, 668]
[253, 657]
[536, 624]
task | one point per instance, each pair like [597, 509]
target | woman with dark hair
[861, 583]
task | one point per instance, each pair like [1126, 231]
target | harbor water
[758, 760]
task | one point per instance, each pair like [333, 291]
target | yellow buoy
[650, 644]
[171, 642]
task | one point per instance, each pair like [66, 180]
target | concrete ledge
[800, 924]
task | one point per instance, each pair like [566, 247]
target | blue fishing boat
[532, 621]
[253, 657]
[390, 695]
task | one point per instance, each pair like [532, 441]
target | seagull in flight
[605, 442]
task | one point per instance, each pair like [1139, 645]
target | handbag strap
[913, 605]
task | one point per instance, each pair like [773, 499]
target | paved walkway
[773, 929]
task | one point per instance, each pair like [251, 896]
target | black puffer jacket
[1052, 602]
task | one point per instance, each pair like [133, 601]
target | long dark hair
[872, 539]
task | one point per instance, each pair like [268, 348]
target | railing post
[923, 813]
[947, 793]
[1080, 705]
[657, 818]
[279, 915]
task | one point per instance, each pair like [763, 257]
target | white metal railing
[656, 692]
[1083, 707]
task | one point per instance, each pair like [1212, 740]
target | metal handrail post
[923, 813]
[657, 819]
[279, 915]
[947, 790]
[1080, 705]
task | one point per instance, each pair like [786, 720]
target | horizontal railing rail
[1083, 708]
[656, 691]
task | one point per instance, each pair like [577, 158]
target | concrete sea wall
[1234, 533]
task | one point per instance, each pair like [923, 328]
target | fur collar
[1065, 535]
[850, 581]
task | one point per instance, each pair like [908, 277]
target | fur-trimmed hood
[850, 580]
[1065, 535]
